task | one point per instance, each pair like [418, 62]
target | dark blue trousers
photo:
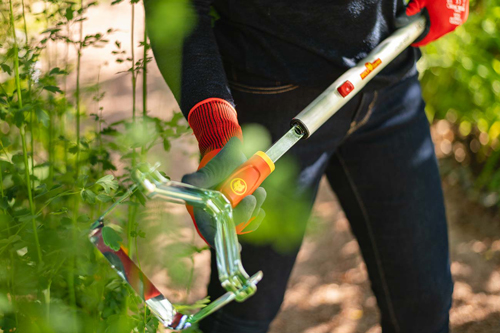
[379, 159]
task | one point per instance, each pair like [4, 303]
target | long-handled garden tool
[248, 177]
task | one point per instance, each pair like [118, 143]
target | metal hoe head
[232, 275]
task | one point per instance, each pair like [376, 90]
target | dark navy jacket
[304, 42]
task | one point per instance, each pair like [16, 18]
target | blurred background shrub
[460, 75]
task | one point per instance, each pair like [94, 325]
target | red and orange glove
[219, 136]
[443, 16]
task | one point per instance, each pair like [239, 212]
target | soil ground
[329, 291]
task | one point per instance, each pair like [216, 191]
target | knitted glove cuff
[214, 121]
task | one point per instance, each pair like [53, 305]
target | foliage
[461, 84]
[57, 178]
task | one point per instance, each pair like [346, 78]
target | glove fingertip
[260, 193]
[413, 8]
[195, 179]
[255, 224]
[248, 203]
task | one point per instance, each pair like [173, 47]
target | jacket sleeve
[187, 55]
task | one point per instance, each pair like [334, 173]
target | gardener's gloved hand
[214, 123]
[443, 16]
[248, 214]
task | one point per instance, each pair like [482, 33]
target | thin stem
[99, 120]
[144, 318]
[132, 46]
[77, 97]
[23, 134]
[144, 85]
[74, 229]
[47, 51]
[32, 112]
[145, 73]
[73, 263]
[132, 209]
[50, 139]
[47, 301]
[51, 145]
[134, 78]
[62, 119]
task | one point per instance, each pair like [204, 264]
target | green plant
[55, 176]
[461, 84]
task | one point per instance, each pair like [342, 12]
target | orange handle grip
[247, 178]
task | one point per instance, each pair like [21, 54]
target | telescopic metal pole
[346, 87]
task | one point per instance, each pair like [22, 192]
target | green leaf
[111, 238]
[5, 306]
[53, 89]
[6, 68]
[69, 13]
[51, 30]
[66, 221]
[18, 158]
[60, 211]
[58, 71]
[4, 203]
[166, 144]
[104, 198]
[84, 143]
[88, 196]
[138, 233]
[73, 149]
[19, 118]
[108, 183]
[11, 239]
[41, 189]
[42, 116]
[140, 197]
[83, 218]
[5, 141]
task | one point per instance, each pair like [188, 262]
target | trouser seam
[378, 261]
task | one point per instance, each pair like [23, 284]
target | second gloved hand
[248, 214]
[443, 16]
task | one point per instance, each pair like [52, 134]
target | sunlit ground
[329, 291]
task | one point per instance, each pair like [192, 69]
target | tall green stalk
[132, 46]
[50, 142]
[145, 73]
[144, 114]
[132, 209]
[23, 134]
[76, 208]
[32, 112]
[144, 86]
[62, 119]
[77, 95]
[100, 148]
[50, 136]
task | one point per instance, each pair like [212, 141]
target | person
[268, 60]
